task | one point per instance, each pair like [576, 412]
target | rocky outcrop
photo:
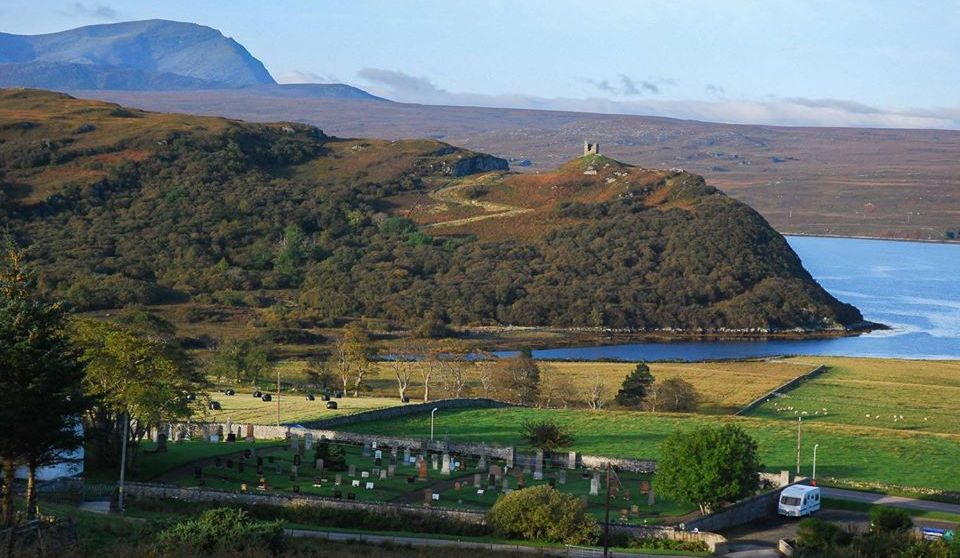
[477, 163]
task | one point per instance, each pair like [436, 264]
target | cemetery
[338, 470]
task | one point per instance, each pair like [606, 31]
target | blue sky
[861, 63]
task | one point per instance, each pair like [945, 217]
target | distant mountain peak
[130, 55]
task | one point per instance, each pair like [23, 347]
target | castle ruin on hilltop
[590, 148]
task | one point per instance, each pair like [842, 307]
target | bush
[815, 534]
[332, 456]
[660, 543]
[542, 513]
[545, 435]
[223, 529]
[889, 520]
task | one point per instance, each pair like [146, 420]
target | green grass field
[877, 393]
[294, 407]
[846, 452]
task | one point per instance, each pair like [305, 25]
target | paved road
[893, 501]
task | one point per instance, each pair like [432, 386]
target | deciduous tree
[708, 466]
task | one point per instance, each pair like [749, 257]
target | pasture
[855, 453]
[903, 395]
[244, 408]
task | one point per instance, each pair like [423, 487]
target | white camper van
[798, 500]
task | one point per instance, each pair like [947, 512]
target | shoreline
[860, 237]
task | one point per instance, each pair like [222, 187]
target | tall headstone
[506, 483]
[509, 458]
[651, 499]
[406, 455]
[477, 479]
[378, 454]
[383, 474]
[366, 449]
[538, 466]
[308, 441]
[445, 470]
[391, 470]
[229, 426]
[294, 443]
[496, 471]
[318, 465]
[562, 476]
[572, 460]
[434, 461]
[595, 485]
[427, 497]
[250, 437]
[351, 470]
[422, 470]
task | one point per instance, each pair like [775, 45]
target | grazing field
[922, 396]
[724, 387]
[294, 408]
[846, 452]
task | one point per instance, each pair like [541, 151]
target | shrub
[545, 435]
[223, 529]
[889, 520]
[542, 513]
[816, 534]
[661, 543]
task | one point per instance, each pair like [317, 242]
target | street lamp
[815, 446]
[435, 409]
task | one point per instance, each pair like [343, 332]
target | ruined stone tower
[591, 148]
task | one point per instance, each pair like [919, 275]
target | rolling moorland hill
[827, 181]
[121, 206]
[151, 54]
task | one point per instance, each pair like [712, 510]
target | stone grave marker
[538, 465]
[318, 464]
[383, 474]
[250, 437]
[434, 461]
[422, 471]
[297, 459]
[506, 483]
[595, 485]
[445, 470]
[391, 470]
[338, 480]
[378, 454]
[294, 442]
[651, 500]
[369, 486]
[572, 460]
[229, 426]
[427, 497]
[366, 449]
[456, 486]
[644, 486]
[308, 441]
[364, 474]
[317, 482]
[562, 476]
[496, 471]
[477, 479]
[293, 472]
[406, 455]
[351, 470]
[355, 482]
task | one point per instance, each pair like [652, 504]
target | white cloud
[403, 87]
[95, 11]
[305, 76]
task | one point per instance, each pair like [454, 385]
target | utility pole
[123, 460]
[606, 518]
[815, 446]
[278, 396]
[799, 429]
[433, 412]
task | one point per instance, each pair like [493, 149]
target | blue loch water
[913, 287]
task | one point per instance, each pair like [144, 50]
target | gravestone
[294, 442]
[456, 486]
[296, 459]
[231, 437]
[383, 474]
[364, 474]
[509, 459]
[229, 426]
[422, 471]
[445, 470]
[651, 500]
[378, 461]
[572, 460]
[406, 455]
[308, 441]
[219, 432]
[250, 437]
[562, 476]
[318, 465]
[260, 468]
[477, 480]
[491, 481]
[318, 482]
[378, 454]
[366, 449]
[391, 470]
[293, 472]
[496, 471]
[506, 483]
[351, 470]
[595, 485]
[526, 463]
[338, 480]
[162, 443]
[434, 461]
[427, 497]
[538, 466]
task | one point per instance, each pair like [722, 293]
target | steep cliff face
[478, 163]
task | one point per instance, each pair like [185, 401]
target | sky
[786, 62]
